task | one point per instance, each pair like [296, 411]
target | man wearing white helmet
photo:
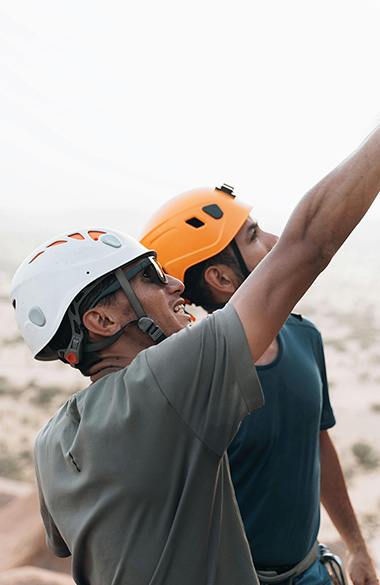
[132, 471]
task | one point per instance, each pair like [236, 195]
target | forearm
[331, 209]
[335, 498]
[317, 228]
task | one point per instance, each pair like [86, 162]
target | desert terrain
[343, 303]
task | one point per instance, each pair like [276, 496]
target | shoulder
[222, 324]
[302, 335]
[296, 322]
[198, 345]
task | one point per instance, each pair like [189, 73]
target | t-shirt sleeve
[327, 416]
[54, 540]
[207, 374]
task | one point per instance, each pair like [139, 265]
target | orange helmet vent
[33, 259]
[95, 235]
[57, 243]
[77, 236]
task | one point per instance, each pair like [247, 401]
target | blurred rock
[34, 576]
[22, 534]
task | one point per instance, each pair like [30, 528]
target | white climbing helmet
[50, 278]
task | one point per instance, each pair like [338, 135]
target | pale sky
[107, 109]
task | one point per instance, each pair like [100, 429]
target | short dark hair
[197, 290]
[62, 337]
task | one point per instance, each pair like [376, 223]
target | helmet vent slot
[57, 243]
[195, 222]
[95, 235]
[213, 210]
[33, 259]
[76, 236]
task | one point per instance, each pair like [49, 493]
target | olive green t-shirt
[132, 471]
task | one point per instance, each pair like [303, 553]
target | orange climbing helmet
[194, 226]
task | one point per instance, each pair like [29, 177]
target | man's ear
[100, 321]
[221, 279]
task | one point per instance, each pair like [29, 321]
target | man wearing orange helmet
[207, 239]
[132, 471]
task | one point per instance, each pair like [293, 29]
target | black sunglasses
[153, 269]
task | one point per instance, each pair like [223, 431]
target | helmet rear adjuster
[73, 353]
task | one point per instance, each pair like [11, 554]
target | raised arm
[317, 228]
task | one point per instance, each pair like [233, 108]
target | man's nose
[175, 284]
[272, 240]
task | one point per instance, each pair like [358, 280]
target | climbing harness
[319, 551]
[333, 565]
[272, 577]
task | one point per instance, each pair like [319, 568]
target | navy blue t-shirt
[274, 457]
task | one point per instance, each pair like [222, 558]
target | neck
[120, 354]
[101, 373]
[107, 366]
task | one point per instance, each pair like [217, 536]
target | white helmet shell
[50, 278]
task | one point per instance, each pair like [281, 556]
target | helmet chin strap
[76, 348]
[144, 323]
[240, 259]
[74, 352]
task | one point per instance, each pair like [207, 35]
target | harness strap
[273, 577]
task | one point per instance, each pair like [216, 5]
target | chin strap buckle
[147, 325]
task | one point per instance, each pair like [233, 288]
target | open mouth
[179, 309]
